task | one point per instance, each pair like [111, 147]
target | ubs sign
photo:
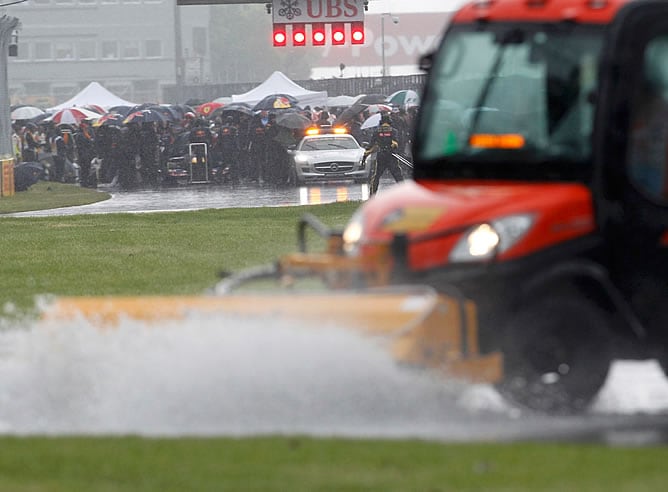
[314, 11]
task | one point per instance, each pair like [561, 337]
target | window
[86, 50]
[130, 48]
[43, 50]
[526, 84]
[64, 50]
[109, 50]
[153, 48]
[24, 51]
[647, 167]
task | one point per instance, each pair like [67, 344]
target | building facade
[128, 46]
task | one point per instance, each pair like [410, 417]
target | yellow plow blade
[424, 329]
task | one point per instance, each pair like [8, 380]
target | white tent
[340, 101]
[278, 83]
[94, 93]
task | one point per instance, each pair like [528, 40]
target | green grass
[160, 253]
[44, 195]
[303, 464]
[180, 253]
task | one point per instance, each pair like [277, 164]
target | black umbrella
[276, 102]
[124, 110]
[241, 108]
[351, 113]
[167, 112]
[145, 116]
[110, 119]
[27, 174]
[293, 120]
[182, 109]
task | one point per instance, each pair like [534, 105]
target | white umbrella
[72, 116]
[25, 113]
[371, 122]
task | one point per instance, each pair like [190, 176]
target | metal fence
[194, 94]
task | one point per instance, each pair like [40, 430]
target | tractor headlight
[352, 235]
[485, 240]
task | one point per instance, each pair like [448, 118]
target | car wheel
[557, 354]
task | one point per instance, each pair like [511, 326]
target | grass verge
[45, 194]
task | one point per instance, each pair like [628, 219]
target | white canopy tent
[278, 83]
[340, 101]
[93, 93]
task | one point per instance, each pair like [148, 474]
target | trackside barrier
[7, 176]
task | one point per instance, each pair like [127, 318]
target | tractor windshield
[510, 101]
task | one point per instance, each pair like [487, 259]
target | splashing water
[239, 376]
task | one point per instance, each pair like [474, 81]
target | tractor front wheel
[557, 354]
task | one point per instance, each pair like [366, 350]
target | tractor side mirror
[426, 62]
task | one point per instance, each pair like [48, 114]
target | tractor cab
[540, 189]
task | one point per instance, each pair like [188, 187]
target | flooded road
[197, 197]
[234, 375]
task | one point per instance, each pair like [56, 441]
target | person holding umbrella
[228, 146]
[84, 141]
[60, 155]
[30, 145]
[384, 142]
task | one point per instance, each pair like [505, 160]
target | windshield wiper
[513, 36]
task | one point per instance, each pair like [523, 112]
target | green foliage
[242, 50]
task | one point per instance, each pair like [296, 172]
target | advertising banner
[312, 11]
[401, 38]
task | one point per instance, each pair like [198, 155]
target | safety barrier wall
[7, 176]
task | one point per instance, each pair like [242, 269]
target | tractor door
[631, 154]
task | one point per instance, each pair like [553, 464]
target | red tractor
[540, 189]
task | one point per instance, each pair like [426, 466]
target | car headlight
[301, 159]
[485, 240]
[352, 234]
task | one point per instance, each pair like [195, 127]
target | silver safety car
[328, 156]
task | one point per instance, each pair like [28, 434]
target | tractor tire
[557, 355]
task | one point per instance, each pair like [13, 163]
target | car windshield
[329, 143]
[508, 96]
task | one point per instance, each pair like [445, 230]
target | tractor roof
[582, 11]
